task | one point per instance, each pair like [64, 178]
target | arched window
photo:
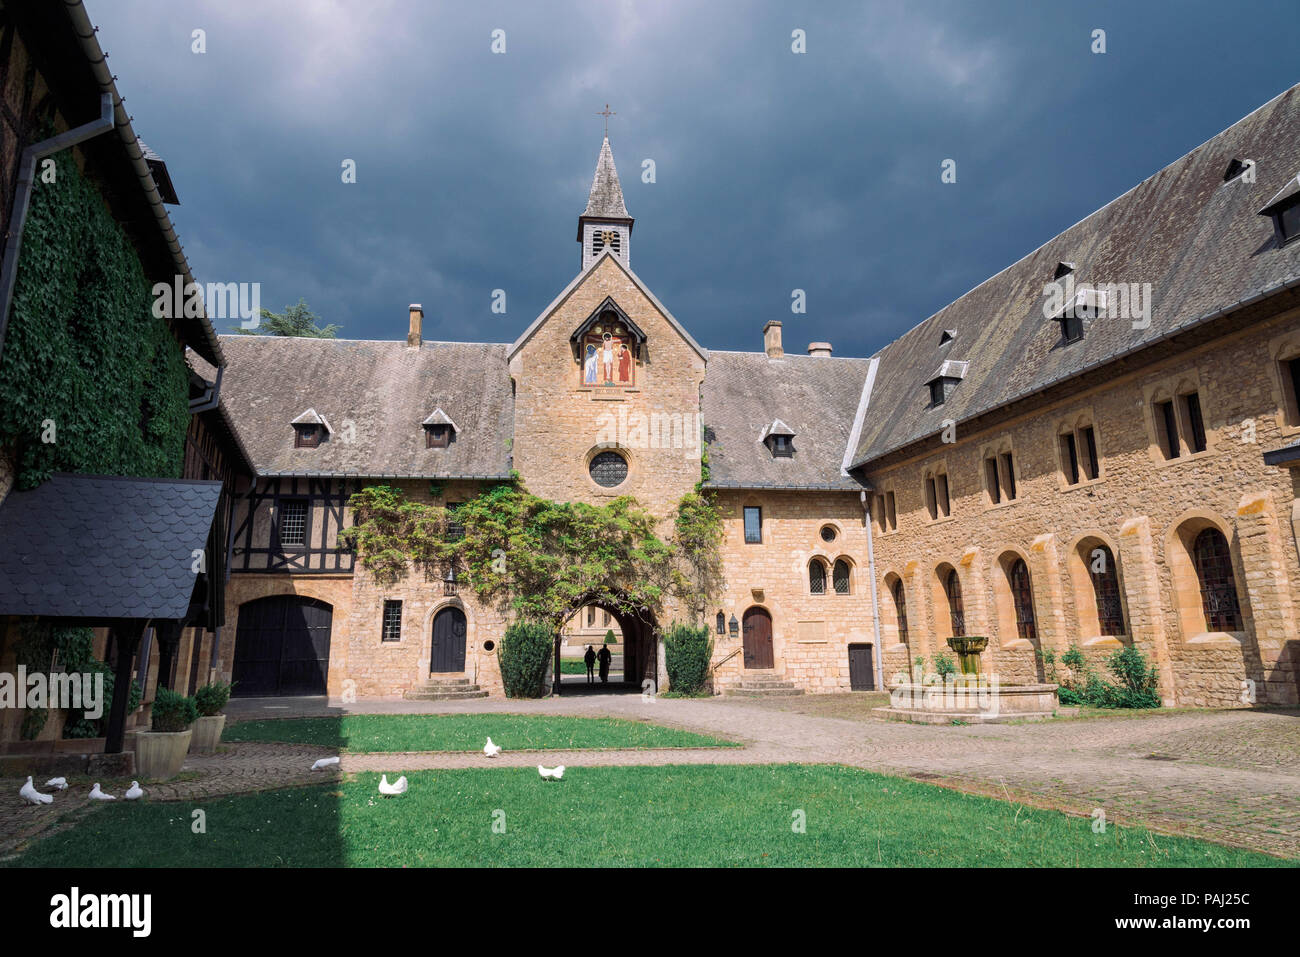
[1213, 561]
[840, 577]
[1105, 585]
[900, 609]
[952, 588]
[816, 577]
[1022, 596]
[722, 623]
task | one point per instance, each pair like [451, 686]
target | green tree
[296, 320]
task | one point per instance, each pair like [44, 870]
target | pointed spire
[606, 199]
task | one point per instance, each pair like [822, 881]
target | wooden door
[862, 672]
[448, 654]
[758, 639]
[282, 647]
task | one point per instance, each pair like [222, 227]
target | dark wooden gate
[448, 653]
[862, 671]
[282, 647]
[758, 639]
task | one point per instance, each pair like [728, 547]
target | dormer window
[947, 336]
[1236, 168]
[1085, 303]
[1284, 210]
[439, 430]
[945, 380]
[779, 439]
[309, 430]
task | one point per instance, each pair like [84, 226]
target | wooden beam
[127, 638]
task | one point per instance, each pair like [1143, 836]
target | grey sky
[775, 170]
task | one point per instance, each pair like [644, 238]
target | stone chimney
[772, 339]
[819, 349]
[413, 338]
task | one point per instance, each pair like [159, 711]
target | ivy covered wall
[85, 362]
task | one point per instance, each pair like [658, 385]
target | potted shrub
[209, 699]
[160, 751]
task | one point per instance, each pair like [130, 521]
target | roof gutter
[211, 396]
[23, 197]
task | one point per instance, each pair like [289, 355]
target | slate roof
[1198, 241]
[103, 547]
[375, 396]
[816, 397]
[606, 198]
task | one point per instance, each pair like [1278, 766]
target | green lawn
[467, 732]
[617, 816]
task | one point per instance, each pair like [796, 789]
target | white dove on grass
[59, 784]
[29, 794]
[554, 773]
[324, 763]
[134, 792]
[97, 795]
[490, 749]
[391, 790]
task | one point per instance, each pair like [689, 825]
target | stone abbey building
[1093, 447]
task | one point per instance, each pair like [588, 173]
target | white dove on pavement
[29, 794]
[134, 792]
[389, 790]
[324, 763]
[490, 749]
[60, 784]
[554, 773]
[97, 795]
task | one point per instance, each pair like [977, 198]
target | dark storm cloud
[775, 171]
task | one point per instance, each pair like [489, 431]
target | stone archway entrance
[634, 662]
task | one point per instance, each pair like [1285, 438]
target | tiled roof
[1198, 240]
[814, 397]
[606, 198]
[103, 547]
[375, 397]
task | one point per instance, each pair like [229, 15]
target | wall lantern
[734, 626]
[449, 581]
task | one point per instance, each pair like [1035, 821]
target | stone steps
[763, 685]
[444, 689]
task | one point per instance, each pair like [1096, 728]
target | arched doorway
[447, 654]
[282, 647]
[634, 658]
[758, 638]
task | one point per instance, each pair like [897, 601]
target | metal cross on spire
[606, 113]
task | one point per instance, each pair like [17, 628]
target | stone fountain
[973, 697]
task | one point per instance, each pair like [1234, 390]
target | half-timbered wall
[256, 546]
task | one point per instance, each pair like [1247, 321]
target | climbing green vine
[90, 381]
[540, 559]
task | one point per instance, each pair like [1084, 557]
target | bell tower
[605, 223]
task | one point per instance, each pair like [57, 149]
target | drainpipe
[211, 396]
[875, 596]
[23, 197]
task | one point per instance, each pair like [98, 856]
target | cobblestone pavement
[1230, 776]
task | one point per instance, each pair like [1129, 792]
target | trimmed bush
[173, 711]
[211, 698]
[609, 637]
[525, 649]
[687, 653]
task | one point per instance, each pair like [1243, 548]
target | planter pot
[207, 732]
[160, 754]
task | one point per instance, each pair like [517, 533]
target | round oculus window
[828, 533]
[608, 469]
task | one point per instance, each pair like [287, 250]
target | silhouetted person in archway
[590, 659]
[604, 657]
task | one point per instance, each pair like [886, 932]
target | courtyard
[696, 782]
